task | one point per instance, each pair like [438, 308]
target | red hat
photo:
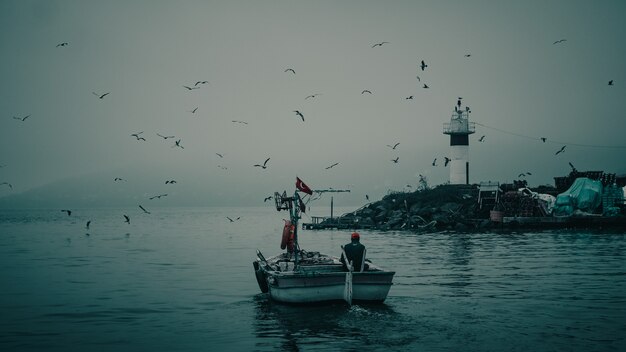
[355, 236]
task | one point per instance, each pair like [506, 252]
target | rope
[551, 141]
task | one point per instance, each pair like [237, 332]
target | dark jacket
[355, 252]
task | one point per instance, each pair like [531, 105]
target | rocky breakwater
[445, 207]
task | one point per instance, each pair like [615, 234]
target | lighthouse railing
[459, 126]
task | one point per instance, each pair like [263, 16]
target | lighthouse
[459, 128]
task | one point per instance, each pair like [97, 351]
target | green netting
[584, 194]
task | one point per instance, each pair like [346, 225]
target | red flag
[302, 186]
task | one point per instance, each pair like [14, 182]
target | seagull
[446, 160]
[312, 96]
[521, 175]
[560, 150]
[543, 139]
[177, 144]
[164, 137]
[101, 96]
[136, 135]
[379, 44]
[69, 212]
[331, 166]
[220, 155]
[571, 165]
[481, 139]
[201, 82]
[191, 88]
[21, 118]
[468, 55]
[194, 110]
[87, 224]
[559, 41]
[394, 146]
[435, 162]
[290, 69]
[8, 184]
[611, 82]
[299, 114]
[528, 173]
[395, 161]
[243, 122]
[231, 220]
[366, 91]
[426, 86]
[367, 197]
[264, 166]
[222, 167]
[267, 198]
[170, 182]
[62, 44]
[423, 65]
[418, 78]
[118, 179]
[127, 219]
[409, 97]
[158, 196]
[144, 209]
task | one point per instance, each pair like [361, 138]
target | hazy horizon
[519, 84]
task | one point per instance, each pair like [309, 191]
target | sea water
[182, 280]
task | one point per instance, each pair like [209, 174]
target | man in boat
[355, 252]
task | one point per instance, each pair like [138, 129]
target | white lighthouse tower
[459, 128]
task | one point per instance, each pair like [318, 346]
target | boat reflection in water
[299, 276]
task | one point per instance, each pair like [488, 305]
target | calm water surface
[182, 279]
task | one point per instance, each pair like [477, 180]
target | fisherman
[355, 252]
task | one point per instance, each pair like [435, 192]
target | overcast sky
[519, 85]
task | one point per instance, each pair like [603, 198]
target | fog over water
[519, 84]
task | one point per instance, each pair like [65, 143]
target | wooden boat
[299, 276]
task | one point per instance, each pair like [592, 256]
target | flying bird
[379, 44]
[394, 146]
[177, 144]
[242, 122]
[267, 198]
[231, 220]
[395, 161]
[62, 44]
[528, 173]
[264, 166]
[312, 96]
[423, 65]
[543, 139]
[331, 166]
[69, 212]
[290, 69]
[201, 82]
[468, 55]
[222, 167]
[8, 184]
[426, 86]
[409, 97]
[559, 41]
[366, 91]
[144, 209]
[560, 150]
[21, 118]
[481, 139]
[299, 114]
[435, 162]
[158, 196]
[418, 78]
[118, 179]
[194, 110]
[87, 224]
[127, 219]
[367, 197]
[220, 155]
[446, 160]
[191, 88]
[611, 82]
[164, 137]
[521, 175]
[170, 182]
[136, 135]
[101, 96]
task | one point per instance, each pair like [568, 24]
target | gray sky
[143, 52]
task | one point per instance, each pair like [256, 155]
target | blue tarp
[584, 195]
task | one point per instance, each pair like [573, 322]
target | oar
[347, 293]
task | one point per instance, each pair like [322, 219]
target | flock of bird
[422, 69]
